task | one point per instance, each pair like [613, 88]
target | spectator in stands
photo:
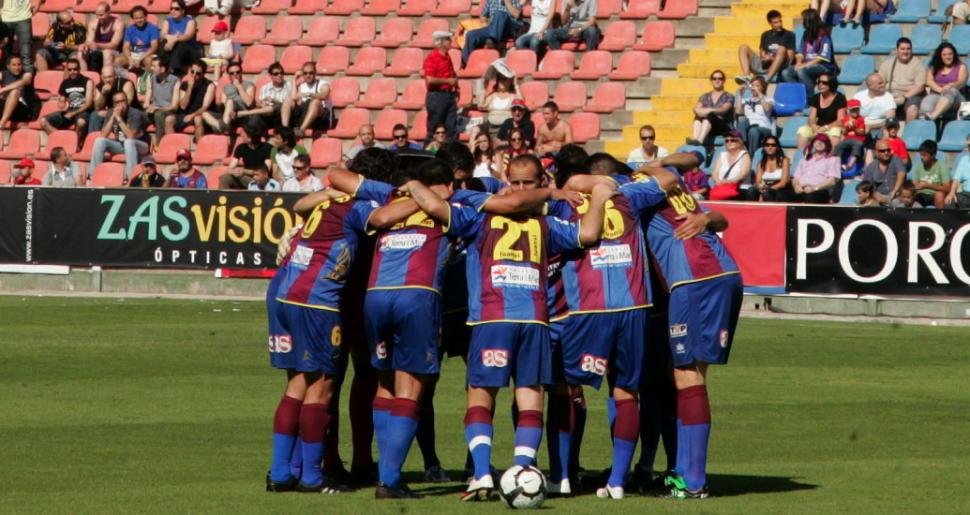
[16, 16]
[20, 102]
[76, 98]
[64, 40]
[945, 79]
[309, 101]
[498, 103]
[196, 95]
[501, 19]
[851, 149]
[959, 194]
[815, 56]
[63, 173]
[162, 97]
[865, 194]
[400, 141]
[960, 11]
[185, 175]
[580, 24]
[714, 112]
[439, 136]
[518, 145]
[486, 161]
[111, 83]
[519, 120]
[931, 176]
[123, 133]
[271, 97]
[103, 39]
[178, 42]
[23, 173]
[220, 8]
[772, 175]
[732, 168]
[283, 153]
[817, 173]
[896, 143]
[221, 51]
[754, 109]
[906, 78]
[251, 154]
[262, 181]
[826, 108]
[878, 104]
[851, 10]
[775, 51]
[365, 138]
[887, 173]
[697, 182]
[539, 23]
[141, 40]
[149, 176]
[554, 133]
[648, 151]
[442, 82]
[907, 197]
[237, 95]
[303, 179]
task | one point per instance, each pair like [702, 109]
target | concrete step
[705, 69]
[725, 40]
[683, 116]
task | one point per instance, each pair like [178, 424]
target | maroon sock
[404, 408]
[693, 406]
[286, 421]
[314, 419]
[627, 425]
[478, 415]
[362, 391]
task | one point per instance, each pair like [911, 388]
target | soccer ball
[523, 487]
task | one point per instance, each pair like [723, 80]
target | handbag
[725, 191]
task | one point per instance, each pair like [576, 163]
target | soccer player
[508, 255]
[307, 343]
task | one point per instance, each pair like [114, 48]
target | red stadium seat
[465, 93]
[169, 145]
[455, 55]
[56, 6]
[426, 29]
[478, 62]
[593, 65]
[406, 62]
[249, 30]
[452, 8]
[619, 35]
[66, 139]
[657, 35]
[333, 59]
[85, 153]
[272, 6]
[4, 173]
[212, 178]
[40, 23]
[607, 97]
[640, 9]
[348, 122]
[212, 149]
[294, 56]
[46, 108]
[47, 83]
[678, 10]
[395, 33]
[125, 6]
[322, 31]
[605, 9]
[87, 6]
[554, 65]
[417, 7]
[258, 58]
[325, 152]
[370, 60]
[570, 96]
[358, 32]
[344, 7]
[159, 7]
[305, 7]
[535, 94]
[381, 7]
[203, 31]
[586, 126]
[108, 175]
[286, 30]
[23, 143]
[632, 66]
[344, 91]
[379, 94]
[522, 62]
[386, 120]
[537, 121]
[413, 97]
[419, 129]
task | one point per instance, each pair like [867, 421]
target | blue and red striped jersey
[320, 261]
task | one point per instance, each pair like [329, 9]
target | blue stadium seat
[789, 135]
[939, 16]
[918, 131]
[799, 30]
[911, 11]
[926, 38]
[960, 37]
[846, 38]
[789, 98]
[855, 68]
[795, 159]
[692, 148]
[849, 196]
[754, 160]
[954, 137]
[717, 155]
[882, 39]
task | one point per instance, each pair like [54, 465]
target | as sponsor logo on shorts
[402, 241]
[723, 336]
[678, 330]
[280, 343]
[506, 276]
[611, 255]
[381, 350]
[497, 358]
[594, 364]
[301, 255]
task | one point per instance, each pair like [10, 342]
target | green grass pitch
[160, 406]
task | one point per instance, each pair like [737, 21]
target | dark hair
[602, 163]
[432, 172]
[303, 158]
[570, 160]
[833, 80]
[274, 67]
[814, 27]
[374, 163]
[936, 62]
[163, 62]
[772, 14]
[399, 126]
[551, 105]
[457, 155]
[526, 141]
[73, 61]
[928, 146]
[57, 152]
[180, 3]
[779, 156]
[287, 136]
[138, 8]
[865, 186]
[908, 186]
[715, 72]
[902, 40]
[530, 160]
[260, 168]
[201, 64]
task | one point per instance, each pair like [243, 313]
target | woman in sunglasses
[179, 45]
[756, 118]
[817, 173]
[714, 112]
[732, 168]
[825, 109]
[772, 176]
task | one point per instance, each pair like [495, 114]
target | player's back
[411, 254]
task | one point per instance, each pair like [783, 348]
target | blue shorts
[314, 340]
[599, 344]
[702, 319]
[500, 351]
[280, 343]
[403, 329]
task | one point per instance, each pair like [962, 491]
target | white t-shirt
[731, 169]
[874, 109]
[305, 89]
[639, 158]
[294, 185]
[285, 164]
[541, 11]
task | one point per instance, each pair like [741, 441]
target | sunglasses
[439, 132]
[645, 138]
[770, 145]
[309, 72]
[717, 78]
[515, 139]
[881, 150]
[732, 140]
[197, 72]
[276, 74]
[72, 69]
[176, 8]
[235, 72]
[400, 136]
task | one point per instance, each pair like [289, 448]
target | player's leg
[286, 419]
[479, 430]
[362, 392]
[532, 364]
[559, 425]
[578, 400]
[333, 465]
[379, 338]
[426, 435]
[402, 423]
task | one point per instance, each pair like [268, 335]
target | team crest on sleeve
[723, 336]
[678, 330]
[507, 276]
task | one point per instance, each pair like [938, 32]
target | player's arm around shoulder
[591, 225]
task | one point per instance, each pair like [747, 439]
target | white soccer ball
[523, 487]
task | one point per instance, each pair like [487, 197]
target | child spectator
[864, 195]
[931, 176]
[907, 197]
[221, 51]
[262, 181]
[854, 136]
[697, 182]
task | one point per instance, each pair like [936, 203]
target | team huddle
[548, 280]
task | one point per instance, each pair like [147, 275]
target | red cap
[183, 154]
[854, 104]
[220, 26]
[519, 103]
[25, 163]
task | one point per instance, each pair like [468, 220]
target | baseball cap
[25, 163]
[441, 34]
[734, 134]
[892, 123]
[220, 26]
[149, 160]
[519, 103]
[854, 104]
[183, 154]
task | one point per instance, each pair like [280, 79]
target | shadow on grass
[417, 483]
[731, 485]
